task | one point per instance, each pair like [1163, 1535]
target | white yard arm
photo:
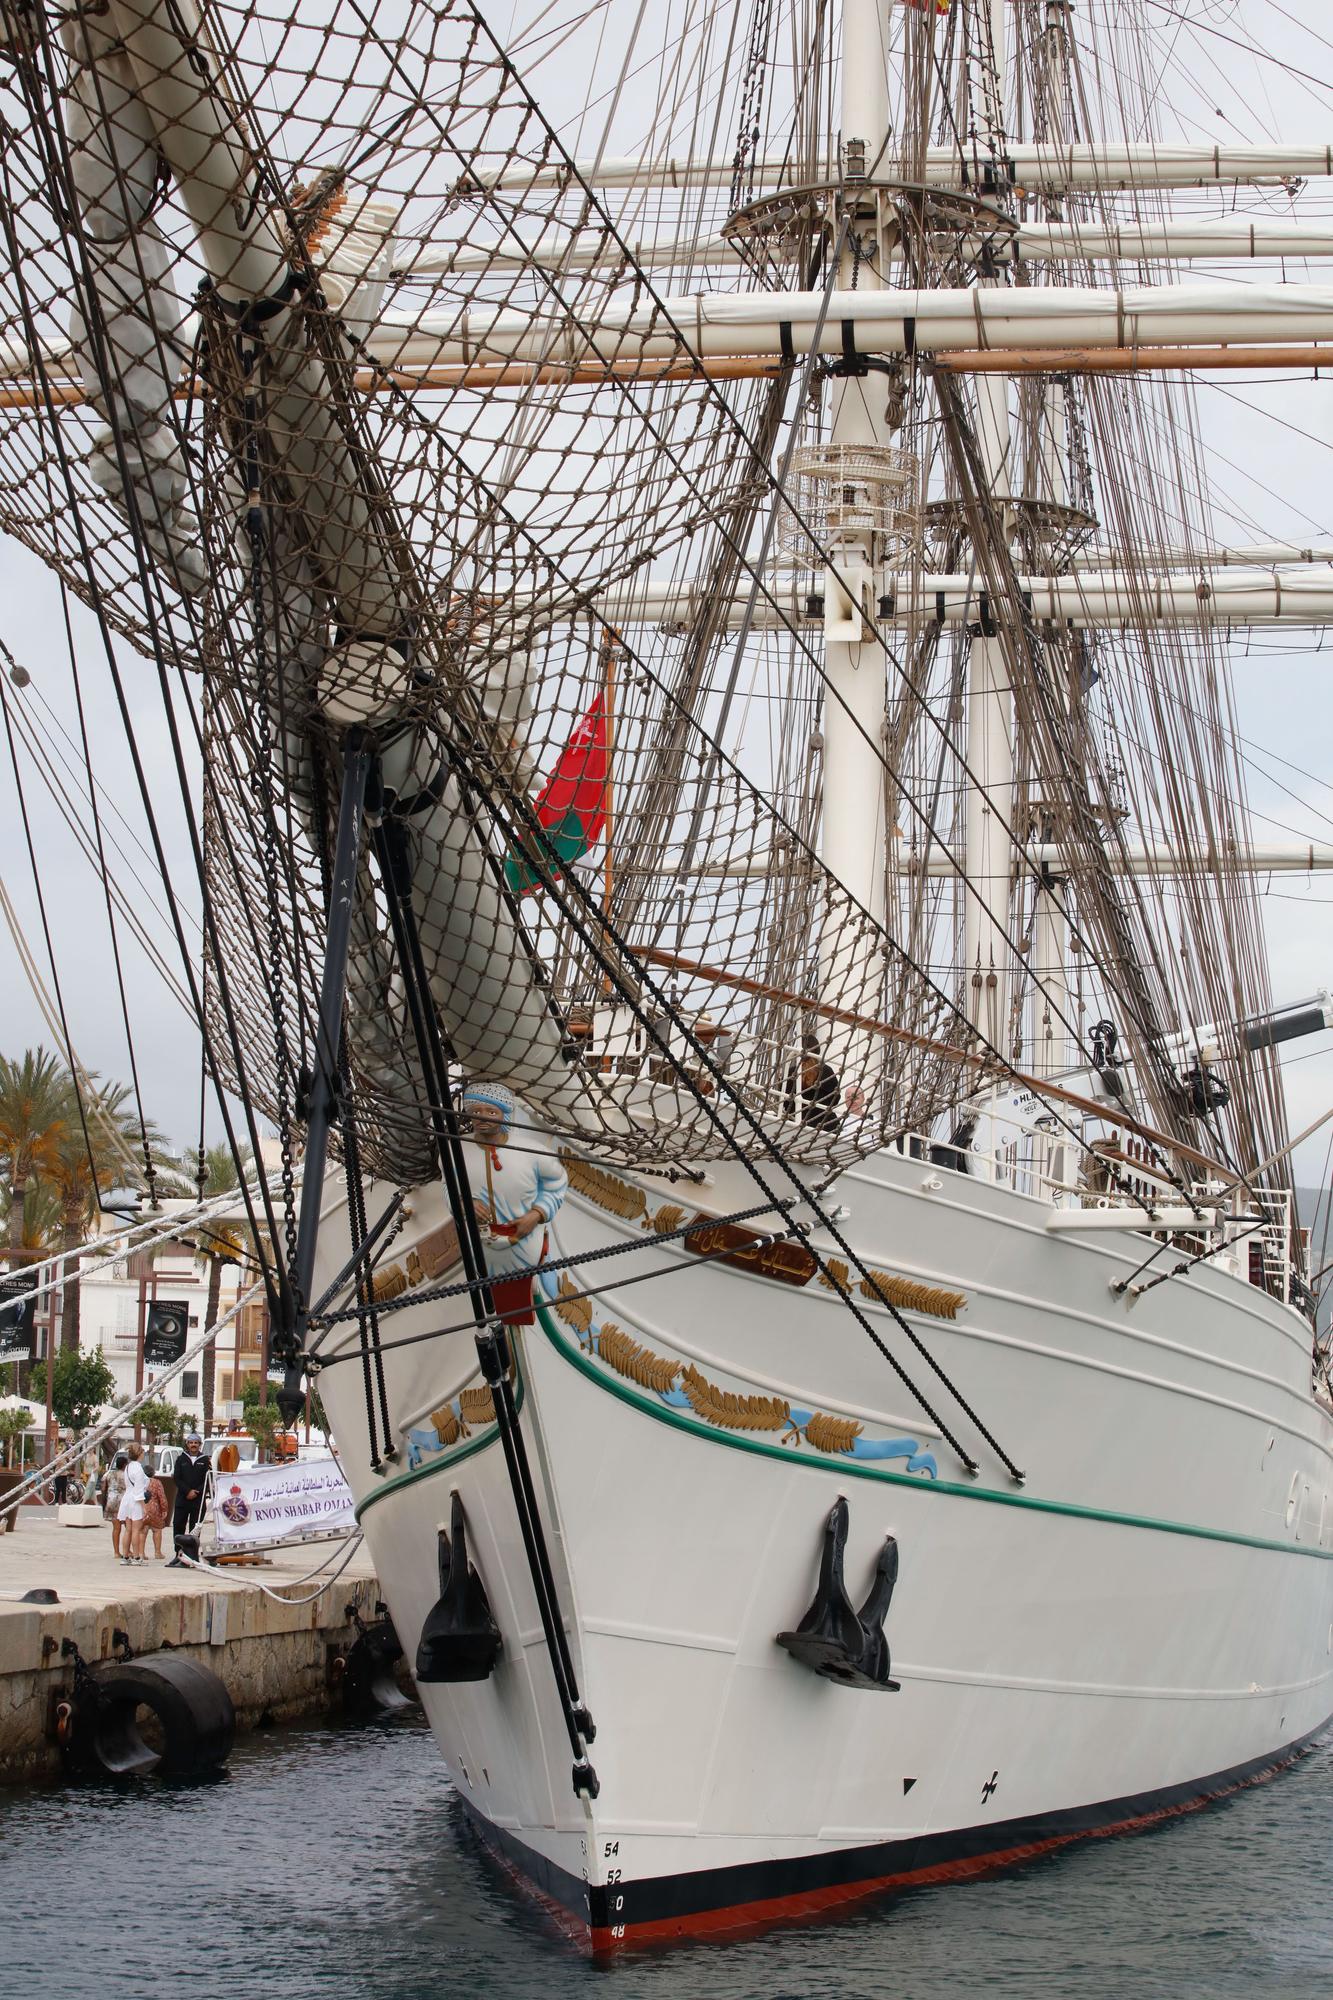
[1106, 167]
[718, 325]
[1156, 859]
[1085, 598]
[1248, 555]
[1208, 241]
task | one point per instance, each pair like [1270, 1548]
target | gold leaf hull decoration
[574, 1312]
[607, 1190]
[731, 1411]
[477, 1405]
[836, 1434]
[909, 1295]
[639, 1364]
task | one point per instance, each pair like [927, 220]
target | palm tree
[214, 1173]
[33, 1108]
[33, 1235]
[94, 1150]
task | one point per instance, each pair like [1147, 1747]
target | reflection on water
[333, 1862]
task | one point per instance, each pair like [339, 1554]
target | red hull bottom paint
[716, 1911]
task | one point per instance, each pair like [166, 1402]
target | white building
[115, 1298]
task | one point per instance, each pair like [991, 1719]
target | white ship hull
[1144, 1624]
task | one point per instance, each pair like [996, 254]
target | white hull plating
[1146, 1620]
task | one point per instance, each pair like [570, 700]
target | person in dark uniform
[190, 1473]
[815, 1084]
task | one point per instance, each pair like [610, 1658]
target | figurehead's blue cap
[491, 1097]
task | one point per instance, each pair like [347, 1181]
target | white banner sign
[260, 1504]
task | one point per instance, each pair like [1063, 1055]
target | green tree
[13, 1423]
[80, 1384]
[33, 1107]
[39, 1226]
[162, 1420]
[263, 1420]
[214, 1173]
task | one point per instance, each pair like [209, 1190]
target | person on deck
[190, 1473]
[524, 1192]
[815, 1084]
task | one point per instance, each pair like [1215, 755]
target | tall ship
[694, 660]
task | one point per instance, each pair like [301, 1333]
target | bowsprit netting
[330, 373]
[241, 243]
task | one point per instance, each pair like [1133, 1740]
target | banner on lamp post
[264, 1506]
[16, 1319]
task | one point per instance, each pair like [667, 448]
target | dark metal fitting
[584, 1723]
[586, 1782]
[493, 1353]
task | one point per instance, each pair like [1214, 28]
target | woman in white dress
[131, 1509]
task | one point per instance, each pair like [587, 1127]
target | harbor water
[335, 1862]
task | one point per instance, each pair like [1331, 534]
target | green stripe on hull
[844, 1467]
[442, 1461]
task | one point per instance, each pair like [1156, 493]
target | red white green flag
[571, 805]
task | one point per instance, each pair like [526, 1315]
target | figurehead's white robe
[519, 1178]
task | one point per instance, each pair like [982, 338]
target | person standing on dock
[524, 1193]
[190, 1473]
[155, 1515]
[114, 1493]
[131, 1508]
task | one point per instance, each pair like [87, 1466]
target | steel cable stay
[138, 541]
[78, 1077]
[48, 760]
[110, 907]
[493, 1350]
[70, 1457]
[119, 1243]
[765, 476]
[516, 820]
[724, 762]
[1076, 1137]
[324, 1322]
[141, 777]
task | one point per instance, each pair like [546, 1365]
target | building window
[190, 1384]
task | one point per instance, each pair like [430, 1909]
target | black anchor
[840, 1644]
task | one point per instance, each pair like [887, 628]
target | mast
[989, 797]
[853, 836]
[853, 805]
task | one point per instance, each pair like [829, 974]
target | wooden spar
[966, 1058]
[1125, 360]
[25, 395]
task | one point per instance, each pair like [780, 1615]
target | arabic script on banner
[275, 1503]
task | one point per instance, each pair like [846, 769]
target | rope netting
[328, 376]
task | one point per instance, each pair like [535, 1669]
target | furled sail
[373, 410]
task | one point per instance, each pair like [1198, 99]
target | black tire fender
[193, 1710]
